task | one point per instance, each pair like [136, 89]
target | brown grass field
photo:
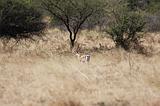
[45, 73]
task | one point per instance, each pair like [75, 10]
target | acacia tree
[73, 13]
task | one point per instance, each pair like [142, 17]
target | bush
[125, 27]
[18, 17]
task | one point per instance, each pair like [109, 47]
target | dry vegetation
[45, 73]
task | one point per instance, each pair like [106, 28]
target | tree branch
[66, 22]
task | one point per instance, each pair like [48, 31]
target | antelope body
[84, 58]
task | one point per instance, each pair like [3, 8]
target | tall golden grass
[45, 73]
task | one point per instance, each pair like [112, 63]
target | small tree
[125, 27]
[73, 13]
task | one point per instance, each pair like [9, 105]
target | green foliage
[125, 27]
[19, 16]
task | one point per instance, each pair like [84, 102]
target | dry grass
[42, 74]
[57, 41]
[151, 44]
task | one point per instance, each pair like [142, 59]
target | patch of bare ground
[41, 73]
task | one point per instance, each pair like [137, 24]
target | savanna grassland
[45, 73]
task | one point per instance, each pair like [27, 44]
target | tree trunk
[72, 41]
[72, 44]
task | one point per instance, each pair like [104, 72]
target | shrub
[125, 27]
[18, 17]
